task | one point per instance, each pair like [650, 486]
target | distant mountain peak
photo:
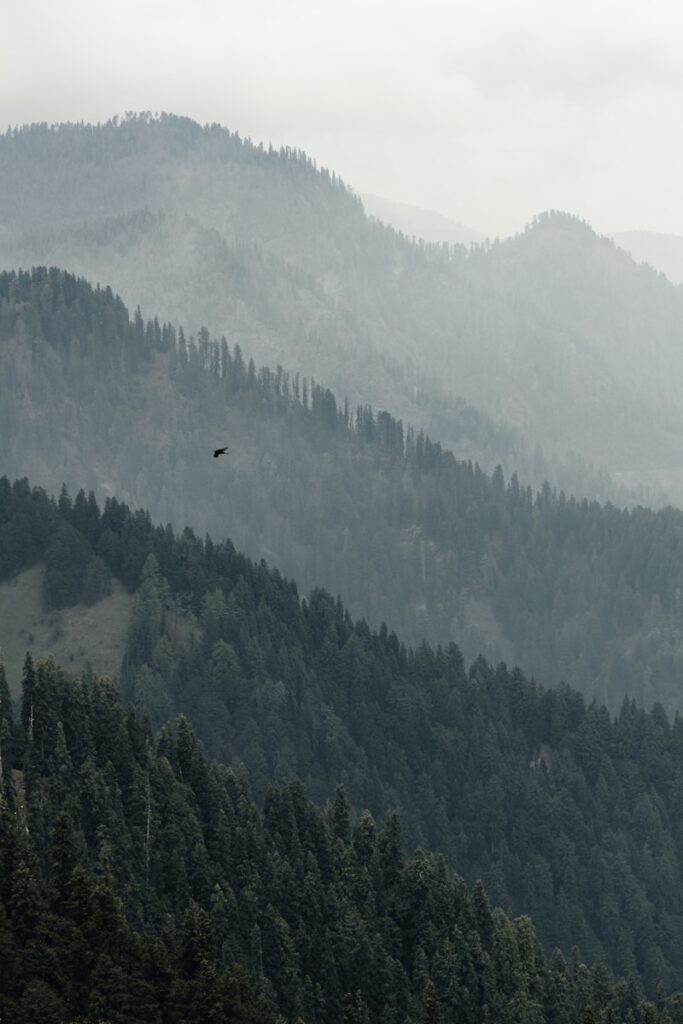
[562, 219]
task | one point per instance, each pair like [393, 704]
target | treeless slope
[75, 636]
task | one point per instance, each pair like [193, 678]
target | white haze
[487, 112]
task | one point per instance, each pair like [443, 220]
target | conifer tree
[6, 734]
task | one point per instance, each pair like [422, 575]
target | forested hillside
[353, 500]
[139, 885]
[564, 813]
[257, 245]
[555, 333]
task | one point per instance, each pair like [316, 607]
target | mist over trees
[138, 880]
[555, 336]
[351, 499]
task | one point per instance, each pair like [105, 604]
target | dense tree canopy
[138, 883]
[564, 812]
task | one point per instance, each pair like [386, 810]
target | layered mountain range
[392, 409]
[352, 499]
[555, 334]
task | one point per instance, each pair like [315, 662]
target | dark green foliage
[565, 813]
[67, 559]
[148, 615]
[97, 580]
[162, 897]
[355, 502]
[7, 736]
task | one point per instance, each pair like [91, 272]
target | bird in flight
[220, 451]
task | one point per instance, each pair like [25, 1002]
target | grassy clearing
[75, 636]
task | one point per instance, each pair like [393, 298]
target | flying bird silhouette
[220, 451]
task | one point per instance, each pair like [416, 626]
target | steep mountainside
[139, 885]
[354, 501]
[565, 813]
[197, 225]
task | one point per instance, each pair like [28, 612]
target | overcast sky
[486, 111]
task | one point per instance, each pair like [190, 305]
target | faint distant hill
[662, 252]
[416, 222]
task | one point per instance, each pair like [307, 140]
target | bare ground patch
[75, 636]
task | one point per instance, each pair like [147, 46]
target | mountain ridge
[456, 323]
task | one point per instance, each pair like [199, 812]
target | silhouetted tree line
[171, 136]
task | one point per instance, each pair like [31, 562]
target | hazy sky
[486, 111]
